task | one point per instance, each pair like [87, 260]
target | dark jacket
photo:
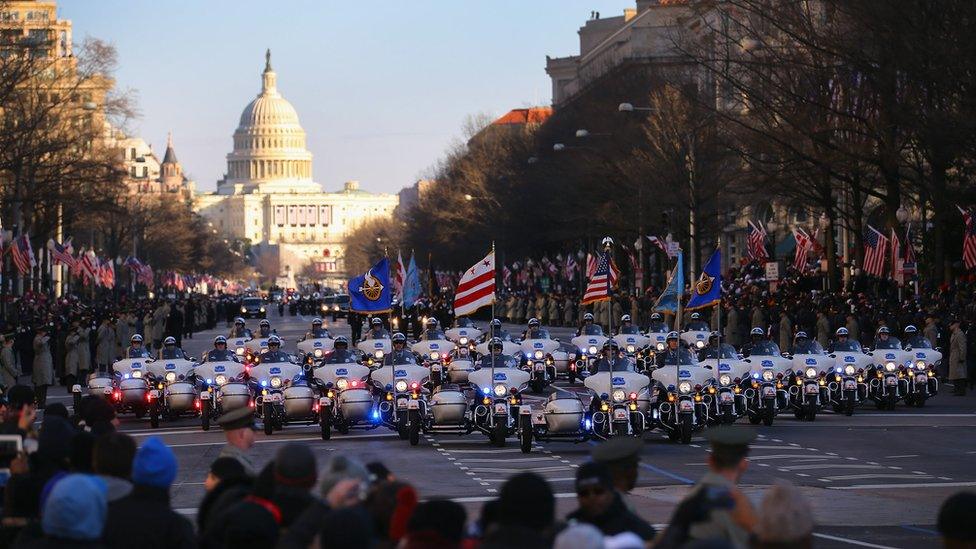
[58, 543]
[617, 520]
[213, 510]
[303, 530]
[145, 520]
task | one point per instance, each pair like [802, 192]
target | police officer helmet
[264, 323]
[588, 316]
[274, 340]
[239, 320]
[496, 343]
[169, 341]
[713, 335]
[696, 316]
[376, 321]
[431, 323]
[757, 331]
[533, 322]
[800, 335]
[495, 323]
[316, 321]
[842, 332]
[671, 335]
[911, 329]
[341, 340]
[611, 345]
[398, 338]
[220, 340]
[136, 338]
[884, 330]
[656, 316]
[625, 318]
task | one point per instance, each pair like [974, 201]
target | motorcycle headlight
[435, 355]
[262, 309]
[725, 379]
[767, 375]
[335, 307]
[243, 309]
[631, 349]
[920, 364]
[276, 382]
[342, 383]
[317, 353]
[463, 341]
[684, 387]
[849, 370]
[811, 372]
[378, 354]
[592, 350]
[619, 395]
[500, 390]
[660, 346]
[325, 307]
[170, 376]
[890, 366]
[700, 344]
[401, 386]
[136, 374]
[239, 351]
[538, 355]
[221, 379]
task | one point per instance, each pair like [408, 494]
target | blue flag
[708, 290]
[668, 302]
[371, 292]
[411, 284]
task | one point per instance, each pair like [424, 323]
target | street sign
[673, 248]
[773, 269]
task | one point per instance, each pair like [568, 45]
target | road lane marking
[780, 456]
[907, 485]
[862, 477]
[829, 466]
[851, 541]
[282, 439]
[903, 456]
[505, 460]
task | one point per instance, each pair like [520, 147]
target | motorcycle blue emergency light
[126, 376]
[755, 375]
[264, 383]
[487, 390]
[209, 381]
[588, 424]
[839, 370]
[376, 415]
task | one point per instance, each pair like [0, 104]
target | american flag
[659, 242]
[757, 243]
[506, 276]
[146, 275]
[875, 249]
[600, 282]
[570, 268]
[23, 254]
[106, 274]
[62, 254]
[90, 264]
[590, 265]
[969, 239]
[803, 246]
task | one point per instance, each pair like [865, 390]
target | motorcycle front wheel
[525, 435]
[414, 427]
[325, 423]
[685, 428]
[769, 411]
[205, 417]
[268, 418]
[499, 432]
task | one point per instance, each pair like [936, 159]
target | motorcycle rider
[220, 352]
[495, 356]
[340, 353]
[495, 330]
[239, 330]
[627, 326]
[170, 351]
[317, 330]
[535, 330]
[756, 337]
[670, 352]
[915, 339]
[136, 349]
[881, 339]
[376, 329]
[274, 352]
[399, 354]
[840, 339]
[696, 324]
[433, 331]
[657, 324]
[264, 328]
[588, 327]
[611, 360]
[712, 350]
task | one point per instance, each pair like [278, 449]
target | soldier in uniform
[238, 428]
[621, 456]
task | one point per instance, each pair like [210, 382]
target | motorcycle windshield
[621, 364]
[682, 357]
[340, 357]
[630, 330]
[592, 330]
[765, 348]
[890, 343]
[920, 342]
[434, 335]
[727, 351]
[808, 347]
[463, 322]
[537, 334]
[849, 346]
[698, 326]
[657, 328]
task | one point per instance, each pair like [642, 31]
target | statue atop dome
[267, 60]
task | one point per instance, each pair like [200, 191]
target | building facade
[268, 195]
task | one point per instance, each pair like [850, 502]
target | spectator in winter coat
[43, 371]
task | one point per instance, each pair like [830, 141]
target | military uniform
[242, 418]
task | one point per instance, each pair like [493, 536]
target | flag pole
[494, 284]
[677, 321]
[607, 247]
[718, 356]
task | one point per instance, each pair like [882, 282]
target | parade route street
[875, 479]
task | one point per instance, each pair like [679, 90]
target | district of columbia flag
[400, 276]
[477, 287]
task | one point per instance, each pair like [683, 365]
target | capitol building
[268, 195]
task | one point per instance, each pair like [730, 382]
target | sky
[382, 88]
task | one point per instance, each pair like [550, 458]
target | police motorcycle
[129, 390]
[729, 402]
[695, 334]
[921, 361]
[222, 383]
[315, 344]
[622, 397]
[846, 386]
[683, 400]
[499, 383]
[434, 348]
[259, 344]
[657, 332]
[172, 377]
[765, 389]
[238, 338]
[630, 339]
[589, 340]
[462, 360]
[811, 367]
[345, 399]
[537, 348]
[375, 344]
[509, 345]
[402, 382]
[283, 393]
[464, 332]
[885, 377]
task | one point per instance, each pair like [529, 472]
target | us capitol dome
[268, 196]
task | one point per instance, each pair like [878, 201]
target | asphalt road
[874, 480]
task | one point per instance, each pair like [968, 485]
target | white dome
[267, 110]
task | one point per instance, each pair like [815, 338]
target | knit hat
[18, 395]
[340, 468]
[75, 509]
[97, 409]
[154, 464]
[294, 465]
[54, 440]
[526, 499]
[593, 473]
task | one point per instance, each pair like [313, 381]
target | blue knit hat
[154, 464]
[76, 508]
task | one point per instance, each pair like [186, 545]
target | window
[145, 171]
